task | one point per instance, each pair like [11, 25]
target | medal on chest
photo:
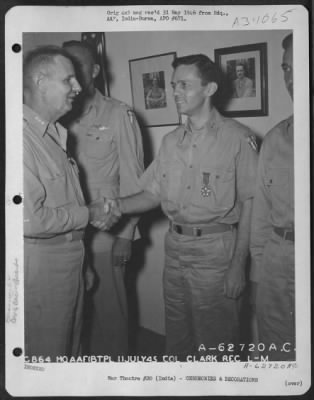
[206, 188]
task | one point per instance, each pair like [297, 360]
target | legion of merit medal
[206, 189]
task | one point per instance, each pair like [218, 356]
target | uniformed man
[204, 179]
[242, 86]
[106, 141]
[272, 240]
[55, 214]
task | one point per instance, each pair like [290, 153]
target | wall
[32, 40]
[123, 46]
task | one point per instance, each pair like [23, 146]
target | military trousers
[199, 317]
[275, 301]
[108, 327]
[53, 293]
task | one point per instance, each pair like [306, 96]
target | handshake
[104, 213]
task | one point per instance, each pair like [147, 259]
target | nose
[176, 89]
[76, 87]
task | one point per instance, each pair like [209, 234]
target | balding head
[40, 60]
[49, 82]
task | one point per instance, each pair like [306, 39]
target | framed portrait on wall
[151, 89]
[244, 70]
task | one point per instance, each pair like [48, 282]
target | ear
[40, 80]
[211, 88]
[96, 70]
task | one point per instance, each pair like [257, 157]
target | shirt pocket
[57, 189]
[216, 188]
[99, 142]
[277, 182]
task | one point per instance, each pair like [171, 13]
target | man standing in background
[272, 240]
[55, 213]
[204, 179]
[107, 143]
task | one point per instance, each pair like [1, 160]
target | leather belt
[286, 234]
[189, 230]
[58, 239]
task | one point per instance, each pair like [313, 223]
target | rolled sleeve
[131, 165]
[150, 180]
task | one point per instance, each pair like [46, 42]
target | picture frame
[151, 89]
[245, 80]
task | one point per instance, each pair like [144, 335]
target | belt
[286, 234]
[199, 231]
[58, 239]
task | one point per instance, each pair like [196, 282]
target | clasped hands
[104, 213]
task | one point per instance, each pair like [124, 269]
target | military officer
[106, 141]
[204, 179]
[272, 237]
[55, 213]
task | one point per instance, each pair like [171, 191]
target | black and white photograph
[245, 76]
[162, 241]
[150, 79]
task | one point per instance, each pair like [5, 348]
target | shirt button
[194, 145]
[188, 187]
[191, 166]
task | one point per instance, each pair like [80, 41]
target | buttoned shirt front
[53, 200]
[203, 176]
[274, 200]
[106, 142]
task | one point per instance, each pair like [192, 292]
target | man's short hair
[287, 42]
[83, 45]
[207, 69]
[41, 56]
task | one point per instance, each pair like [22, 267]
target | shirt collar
[38, 124]
[211, 127]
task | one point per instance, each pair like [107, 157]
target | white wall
[123, 46]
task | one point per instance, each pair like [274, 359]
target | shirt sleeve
[246, 167]
[39, 220]
[260, 223]
[150, 180]
[131, 162]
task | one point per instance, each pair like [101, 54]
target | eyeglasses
[286, 67]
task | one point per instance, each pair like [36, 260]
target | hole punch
[17, 199]
[17, 352]
[16, 48]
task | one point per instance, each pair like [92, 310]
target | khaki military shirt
[202, 176]
[107, 144]
[274, 200]
[53, 200]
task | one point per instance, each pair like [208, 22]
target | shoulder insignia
[252, 142]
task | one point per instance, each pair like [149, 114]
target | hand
[104, 213]
[112, 206]
[97, 210]
[234, 282]
[121, 252]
